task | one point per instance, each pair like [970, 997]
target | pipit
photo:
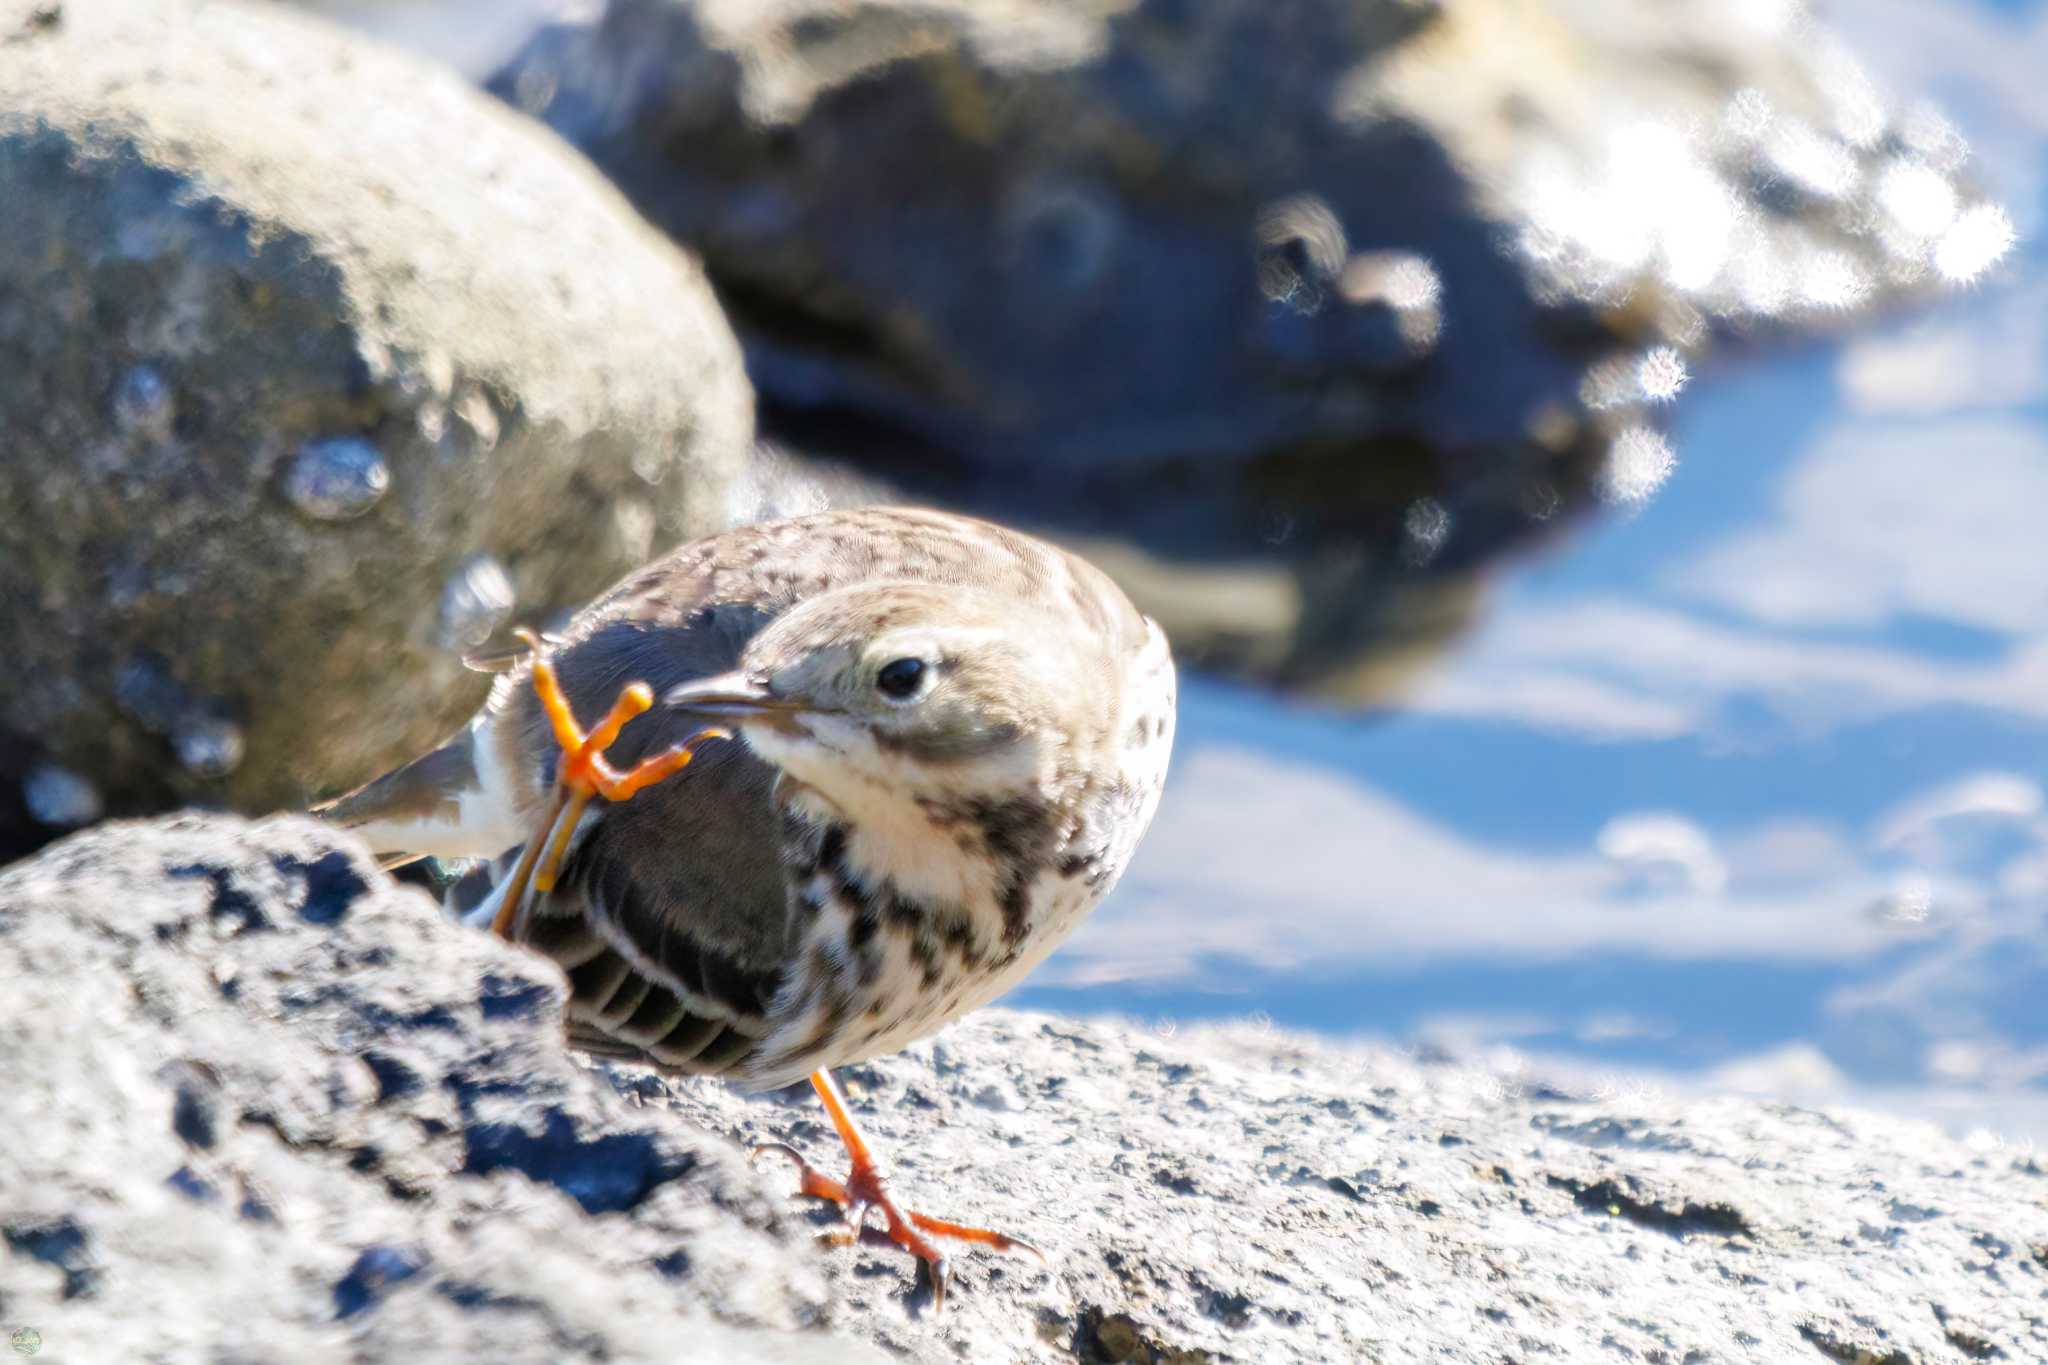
[945, 739]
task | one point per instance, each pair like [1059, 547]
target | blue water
[1825, 867]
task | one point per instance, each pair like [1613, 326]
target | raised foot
[866, 1188]
[582, 773]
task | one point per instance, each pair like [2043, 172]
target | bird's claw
[864, 1189]
[583, 773]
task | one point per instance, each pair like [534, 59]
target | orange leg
[581, 775]
[866, 1188]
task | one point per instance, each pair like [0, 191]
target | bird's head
[912, 687]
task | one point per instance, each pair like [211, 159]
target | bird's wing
[670, 913]
[669, 919]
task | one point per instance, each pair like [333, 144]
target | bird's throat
[890, 843]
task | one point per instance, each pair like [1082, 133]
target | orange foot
[581, 774]
[865, 1188]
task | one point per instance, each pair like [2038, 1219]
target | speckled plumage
[857, 870]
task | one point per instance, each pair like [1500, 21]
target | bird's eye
[900, 678]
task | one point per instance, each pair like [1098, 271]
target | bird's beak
[727, 694]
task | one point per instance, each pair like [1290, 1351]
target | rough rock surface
[316, 365]
[263, 1105]
[1233, 1194]
[1317, 308]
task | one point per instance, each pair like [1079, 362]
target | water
[1741, 790]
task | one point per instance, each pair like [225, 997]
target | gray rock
[264, 1105]
[1292, 313]
[315, 366]
[1233, 1193]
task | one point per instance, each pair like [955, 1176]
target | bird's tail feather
[435, 805]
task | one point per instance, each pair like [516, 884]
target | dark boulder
[1298, 314]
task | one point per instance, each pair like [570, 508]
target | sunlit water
[1743, 789]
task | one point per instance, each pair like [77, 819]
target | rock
[1298, 316]
[476, 39]
[1233, 1193]
[262, 1104]
[316, 366]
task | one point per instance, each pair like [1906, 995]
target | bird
[847, 776]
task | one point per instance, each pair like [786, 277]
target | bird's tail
[440, 804]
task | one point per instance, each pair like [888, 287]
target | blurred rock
[476, 37]
[264, 1105]
[314, 365]
[1293, 302]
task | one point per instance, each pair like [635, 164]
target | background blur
[1742, 788]
[1597, 477]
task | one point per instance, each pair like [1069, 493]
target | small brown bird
[950, 738]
